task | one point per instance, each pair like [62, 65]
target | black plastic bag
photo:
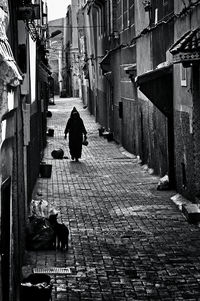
[39, 235]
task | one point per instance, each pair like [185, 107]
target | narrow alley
[128, 241]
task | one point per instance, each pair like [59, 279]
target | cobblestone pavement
[128, 241]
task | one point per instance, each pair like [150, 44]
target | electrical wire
[185, 11]
[70, 26]
[171, 17]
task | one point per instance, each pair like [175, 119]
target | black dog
[61, 233]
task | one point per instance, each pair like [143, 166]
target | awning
[105, 63]
[9, 71]
[187, 48]
[157, 85]
[4, 5]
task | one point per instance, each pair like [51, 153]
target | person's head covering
[74, 112]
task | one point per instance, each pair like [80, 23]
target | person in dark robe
[76, 129]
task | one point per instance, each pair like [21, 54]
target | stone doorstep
[192, 213]
[190, 210]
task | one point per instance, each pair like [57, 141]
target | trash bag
[49, 114]
[163, 183]
[101, 130]
[57, 153]
[36, 287]
[39, 234]
[50, 132]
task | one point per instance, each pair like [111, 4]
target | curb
[190, 210]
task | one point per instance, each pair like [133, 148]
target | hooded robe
[75, 127]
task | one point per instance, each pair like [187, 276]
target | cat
[61, 233]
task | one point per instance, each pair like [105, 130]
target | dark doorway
[196, 125]
[5, 238]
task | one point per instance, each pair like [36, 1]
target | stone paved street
[128, 241]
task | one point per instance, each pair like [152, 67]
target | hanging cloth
[9, 71]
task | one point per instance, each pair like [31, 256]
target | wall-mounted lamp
[55, 33]
[147, 5]
[116, 35]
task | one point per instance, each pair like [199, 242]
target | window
[128, 14]
[183, 73]
[156, 16]
[131, 13]
[109, 18]
[122, 13]
[125, 14]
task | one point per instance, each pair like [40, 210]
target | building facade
[24, 98]
[56, 30]
[71, 49]
[155, 85]
[185, 57]
[140, 84]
